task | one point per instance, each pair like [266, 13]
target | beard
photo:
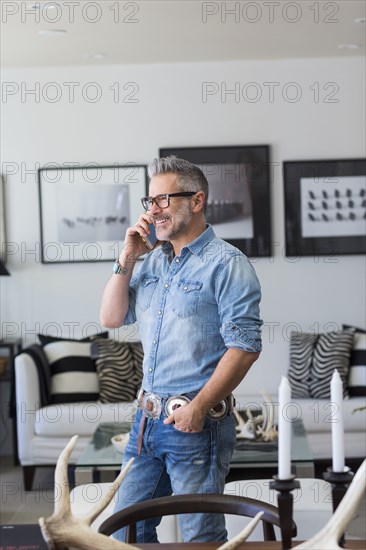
[175, 225]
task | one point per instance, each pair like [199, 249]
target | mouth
[160, 222]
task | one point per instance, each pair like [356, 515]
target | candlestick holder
[285, 506]
[340, 482]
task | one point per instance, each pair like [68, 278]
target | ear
[198, 201]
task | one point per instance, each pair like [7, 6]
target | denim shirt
[190, 309]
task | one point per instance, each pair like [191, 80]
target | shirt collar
[195, 246]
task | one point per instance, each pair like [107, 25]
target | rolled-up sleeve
[238, 294]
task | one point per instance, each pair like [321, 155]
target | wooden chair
[193, 503]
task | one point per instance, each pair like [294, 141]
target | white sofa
[44, 431]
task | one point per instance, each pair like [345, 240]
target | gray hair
[190, 177]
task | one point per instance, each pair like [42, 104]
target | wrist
[200, 406]
[127, 260]
[119, 268]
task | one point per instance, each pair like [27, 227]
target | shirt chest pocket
[146, 291]
[186, 298]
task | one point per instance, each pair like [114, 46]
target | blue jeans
[177, 462]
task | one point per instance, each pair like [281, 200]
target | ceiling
[107, 32]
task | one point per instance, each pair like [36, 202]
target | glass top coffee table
[250, 456]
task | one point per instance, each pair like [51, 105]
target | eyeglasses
[163, 201]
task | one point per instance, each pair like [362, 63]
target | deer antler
[268, 431]
[245, 430]
[63, 529]
[327, 538]
[243, 535]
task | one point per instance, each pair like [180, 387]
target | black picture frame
[239, 199]
[85, 210]
[325, 207]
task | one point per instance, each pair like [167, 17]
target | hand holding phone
[151, 239]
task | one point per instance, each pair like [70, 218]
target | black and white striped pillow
[73, 374]
[313, 359]
[119, 368]
[357, 370]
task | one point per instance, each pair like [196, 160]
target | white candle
[284, 430]
[336, 397]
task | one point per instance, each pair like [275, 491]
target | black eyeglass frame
[151, 200]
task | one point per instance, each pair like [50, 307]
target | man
[196, 301]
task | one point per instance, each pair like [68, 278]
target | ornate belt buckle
[226, 406]
[219, 411]
[151, 405]
[231, 403]
[175, 402]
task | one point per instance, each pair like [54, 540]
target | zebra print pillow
[313, 358]
[119, 369]
[301, 358]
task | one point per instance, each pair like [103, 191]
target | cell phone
[151, 239]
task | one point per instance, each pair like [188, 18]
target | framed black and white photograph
[85, 211]
[238, 206]
[325, 207]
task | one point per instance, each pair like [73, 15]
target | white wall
[309, 294]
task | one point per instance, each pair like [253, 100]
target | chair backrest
[194, 503]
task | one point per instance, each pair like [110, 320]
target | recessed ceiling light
[97, 55]
[360, 20]
[52, 32]
[349, 46]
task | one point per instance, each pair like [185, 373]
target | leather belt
[153, 405]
